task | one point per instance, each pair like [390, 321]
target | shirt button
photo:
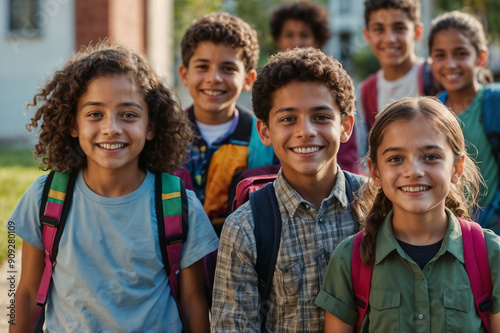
[308, 207]
[420, 316]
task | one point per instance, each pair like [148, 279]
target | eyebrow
[316, 108]
[227, 62]
[425, 148]
[124, 104]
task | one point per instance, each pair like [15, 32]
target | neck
[460, 100]
[113, 183]
[420, 229]
[313, 189]
[214, 117]
[392, 73]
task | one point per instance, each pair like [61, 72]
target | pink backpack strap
[477, 267]
[369, 99]
[361, 280]
[421, 85]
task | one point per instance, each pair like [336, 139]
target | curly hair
[313, 14]
[471, 28]
[302, 65]
[58, 101]
[410, 7]
[372, 205]
[222, 28]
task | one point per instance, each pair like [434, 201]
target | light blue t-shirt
[109, 274]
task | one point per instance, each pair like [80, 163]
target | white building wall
[28, 61]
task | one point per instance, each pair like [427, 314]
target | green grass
[18, 170]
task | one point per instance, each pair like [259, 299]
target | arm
[25, 299]
[335, 325]
[193, 304]
[494, 320]
[236, 298]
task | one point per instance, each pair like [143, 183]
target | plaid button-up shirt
[308, 238]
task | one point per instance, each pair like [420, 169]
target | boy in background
[392, 28]
[305, 24]
[304, 102]
[219, 56]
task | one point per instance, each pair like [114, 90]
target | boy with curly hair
[299, 24]
[304, 101]
[219, 56]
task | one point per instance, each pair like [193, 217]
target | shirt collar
[291, 200]
[235, 120]
[452, 241]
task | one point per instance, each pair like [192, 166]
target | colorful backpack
[171, 208]
[476, 265]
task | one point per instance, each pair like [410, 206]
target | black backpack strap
[243, 130]
[267, 233]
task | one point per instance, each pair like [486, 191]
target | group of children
[107, 118]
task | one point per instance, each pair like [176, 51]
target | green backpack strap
[172, 219]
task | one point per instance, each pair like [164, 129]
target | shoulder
[492, 91]
[239, 226]
[355, 180]
[492, 243]
[369, 82]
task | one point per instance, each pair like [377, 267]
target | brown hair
[314, 15]
[302, 65]
[59, 98]
[470, 27]
[372, 205]
[222, 28]
[410, 7]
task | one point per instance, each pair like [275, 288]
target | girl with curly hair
[107, 117]
[422, 181]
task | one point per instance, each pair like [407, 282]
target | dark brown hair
[410, 7]
[222, 28]
[471, 28]
[58, 101]
[372, 205]
[302, 65]
[312, 14]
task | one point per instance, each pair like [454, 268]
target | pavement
[9, 277]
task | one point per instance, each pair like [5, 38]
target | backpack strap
[491, 117]
[172, 218]
[56, 201]
[361, 276]
[369, 99]
[267, 233]
[477, 267]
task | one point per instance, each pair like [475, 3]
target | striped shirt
[308, 238]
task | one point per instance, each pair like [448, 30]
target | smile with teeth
[112, 146]
[415, 188]
[213, 92]
[452, 76]
[307, 150]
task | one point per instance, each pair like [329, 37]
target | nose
[390, 35]
[111, 126]
[451, 62]
[214, 76]
[413, 169]
[305, 129]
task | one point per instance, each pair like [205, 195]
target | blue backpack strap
[491, 117]
[172, 218]
[56, 200]
[267, 233]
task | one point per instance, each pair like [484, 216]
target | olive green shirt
[404, 298]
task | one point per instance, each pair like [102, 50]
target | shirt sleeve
[25, 220]
[201, 237]
[493, 248]
[236, 299]
[336, 295]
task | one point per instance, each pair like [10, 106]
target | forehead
[451, 38]
[208, 51]
[297, 96]
[389, 17]
[294, 25]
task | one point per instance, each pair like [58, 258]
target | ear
[150, 134]
[366, 35]
[263, 131]
[347, 128]
[74, 129]
[249, 80]
[419, 31]
[482, 59]
[458, 170]
[374, 173]
[183, 73]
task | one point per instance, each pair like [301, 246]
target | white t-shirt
[109, 274]
[211, 133]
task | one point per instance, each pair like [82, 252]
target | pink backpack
[476, 265]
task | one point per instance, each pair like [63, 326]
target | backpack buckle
[485, 305]
[49, 221]
[174, 239]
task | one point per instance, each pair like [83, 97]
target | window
[23, 16]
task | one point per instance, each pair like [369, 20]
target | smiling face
[296, 33]
[415, 167]
[392, 36]
[305, 129]
[455, 62]
[112, 124]
[215, 77]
